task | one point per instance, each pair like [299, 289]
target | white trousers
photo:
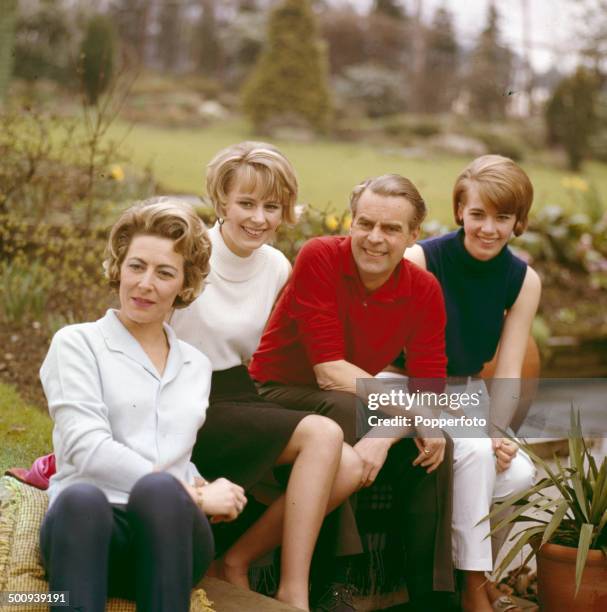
[477, 485]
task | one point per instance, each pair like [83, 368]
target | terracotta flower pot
[556, 580]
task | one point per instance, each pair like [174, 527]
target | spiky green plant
[577, 518]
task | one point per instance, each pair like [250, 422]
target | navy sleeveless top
[476, 295]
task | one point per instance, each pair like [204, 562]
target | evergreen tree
[437, 80]
[209, 56]
[97, 57]
[571, 115]
[8, 18]
[290, 77]
[490, 72]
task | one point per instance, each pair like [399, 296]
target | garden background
[107, 102]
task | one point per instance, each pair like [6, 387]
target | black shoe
[337, 598]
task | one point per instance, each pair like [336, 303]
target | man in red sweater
[350, 307]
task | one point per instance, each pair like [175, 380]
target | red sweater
[325, 314]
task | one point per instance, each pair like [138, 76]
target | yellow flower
[346, 223]
[116, 172]
[577, 183]
[331, 223]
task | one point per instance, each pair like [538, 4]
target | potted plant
[567, 530]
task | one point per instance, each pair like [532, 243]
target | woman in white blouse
[253, 189]
[127, 507]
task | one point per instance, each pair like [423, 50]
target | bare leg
[474, 595]
[319, 482]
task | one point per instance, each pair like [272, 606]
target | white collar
[118, 338]
[230, 266]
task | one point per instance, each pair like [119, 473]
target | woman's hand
[221, 499]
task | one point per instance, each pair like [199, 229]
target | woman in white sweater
[253, 189]
[127, 507]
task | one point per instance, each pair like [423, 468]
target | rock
[458, 144]
[211, 109]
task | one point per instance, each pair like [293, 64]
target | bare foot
[301, 603]
[493, 593]
[474, 595]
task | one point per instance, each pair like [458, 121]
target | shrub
[289, 79]
[50, 269]
[502, 144]
[23, 291]
[571, 115]
[56, 167]
[7, 39]
[97, 57]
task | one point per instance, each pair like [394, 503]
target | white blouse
[226, 321]
[115, 417]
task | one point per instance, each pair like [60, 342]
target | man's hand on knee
[431, 452]
[373, 452]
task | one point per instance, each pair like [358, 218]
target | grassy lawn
[25, 431]
[327, 170]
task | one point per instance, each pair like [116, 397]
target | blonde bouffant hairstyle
[500, 183]
[164, 217]
[256, 165]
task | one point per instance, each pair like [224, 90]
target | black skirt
[243, 434]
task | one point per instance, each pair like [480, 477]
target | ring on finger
[426, 451]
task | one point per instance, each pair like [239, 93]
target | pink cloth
[39, 474]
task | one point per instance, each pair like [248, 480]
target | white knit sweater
[226, 321]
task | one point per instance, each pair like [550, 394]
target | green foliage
[97, 57]
[56, 167]
[490, 72]
[578, 240]
[25, 431]
[7, 41]
[571, 115]
[577, 514]
[289, 82]
[23, 291]
[312, 222]
[50, 274]
[502, 143]
[44, 42]
[407, 126]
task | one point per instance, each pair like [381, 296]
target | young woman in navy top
[491, 297]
